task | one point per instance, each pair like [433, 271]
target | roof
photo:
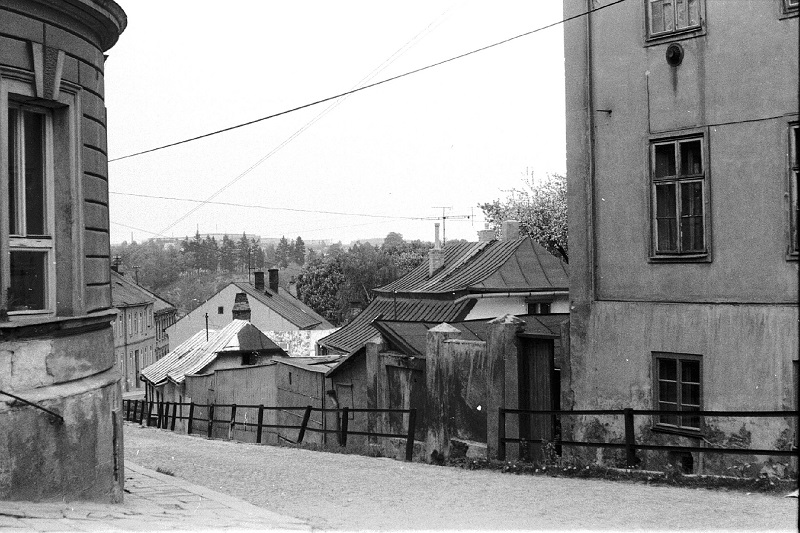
[157, 372]
[411, 337]
[125, 293]
[196, 353]
[490, 266]
[285, 305]
[321, 365]
[355, 334]
[299, 343]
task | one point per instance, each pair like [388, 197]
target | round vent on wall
[674, 54]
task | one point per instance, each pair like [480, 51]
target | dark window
[679, 197]
[672, 16]
[794, 182]
[539, 308]
[220, 310]
[678, 387]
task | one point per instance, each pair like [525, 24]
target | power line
[371, 85]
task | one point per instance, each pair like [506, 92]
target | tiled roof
[410, 337]
[285, 305]
[485, 267]
[239, 335]
[157, 372]
[355, 334]
[125, 293]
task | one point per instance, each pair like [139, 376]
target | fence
[630, 445]
[166, 415]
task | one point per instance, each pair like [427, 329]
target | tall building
[60, 405]
[682, 165]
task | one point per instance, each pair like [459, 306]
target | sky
[453, 136]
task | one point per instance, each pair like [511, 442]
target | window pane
[680, 8]
[669, 16]
[692, 216]
[656, 17]
[665, 160]
[666, 218]
[690, 421]
[34, 173]
[28, 281]
[668, 391]
[694, 12]
[668, 369]
[13, 132]
[690, 371]
[690, 395]
[691, 158]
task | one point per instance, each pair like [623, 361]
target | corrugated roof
[411, 337]
[157, 372]
[487, 266]
[287, 306]
[313, 364]
[239, 335]
[125, 293]
[355, 334]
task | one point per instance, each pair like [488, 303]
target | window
[791, 6]
[220, 310]
[29, 210]
[678, 387]
[679, 197]
[539, 308]
[130, 325]
[665, 17]
[794, 183]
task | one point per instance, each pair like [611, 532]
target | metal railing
[166, 415]
[631, 445]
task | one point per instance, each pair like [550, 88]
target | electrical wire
[371, 85]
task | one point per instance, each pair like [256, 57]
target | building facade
[56, 342]
[682, 132]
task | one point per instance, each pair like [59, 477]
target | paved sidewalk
[153, 502]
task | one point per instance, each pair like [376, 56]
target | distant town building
[64, 441]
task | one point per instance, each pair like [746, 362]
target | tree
[541, 209]
[228, 252]
[283, 253]
[299, 251]
[318, 286]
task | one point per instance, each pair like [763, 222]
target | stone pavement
[153, 502]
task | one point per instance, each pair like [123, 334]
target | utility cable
[371, 85]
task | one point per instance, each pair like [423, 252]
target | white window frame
[675, 30]
[12, 94]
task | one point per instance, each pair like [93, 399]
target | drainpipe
[507, 294]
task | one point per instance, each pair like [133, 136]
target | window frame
[704, 178]
[789, 8]
[678, 33]
[13, 96]
[793, 179]
[679, 358]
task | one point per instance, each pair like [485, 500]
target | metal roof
[410, 337]
[355, 334]
[157, 372]
[239, 335]
[320, 365]
[486, 267]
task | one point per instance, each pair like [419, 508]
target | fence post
[306, 416]
[501, 435]
[174, 414]
[412, 422]
[126, 406]
[210, 419]
[233, 422]
[142, 417]
[345, 420]
[630, 443]
[260, 423]
[160, 414]
[191, 418]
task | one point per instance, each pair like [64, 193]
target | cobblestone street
[336, 491]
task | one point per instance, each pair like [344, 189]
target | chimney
[115, 263]
[258, 280]
[435, 254]
[273, 280]
[241, 307]
[486, 234]
[509, 231]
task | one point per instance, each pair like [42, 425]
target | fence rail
[141, 412]
[630, 445]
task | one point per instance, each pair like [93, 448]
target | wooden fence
[630, 445]
[165, 414]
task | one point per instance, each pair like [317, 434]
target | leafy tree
[393, 242]
[318, 286]
[270, 255]
[299, 251]
[541, 209]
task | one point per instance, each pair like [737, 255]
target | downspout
[592, 249]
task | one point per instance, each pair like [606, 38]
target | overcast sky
[455, 135]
